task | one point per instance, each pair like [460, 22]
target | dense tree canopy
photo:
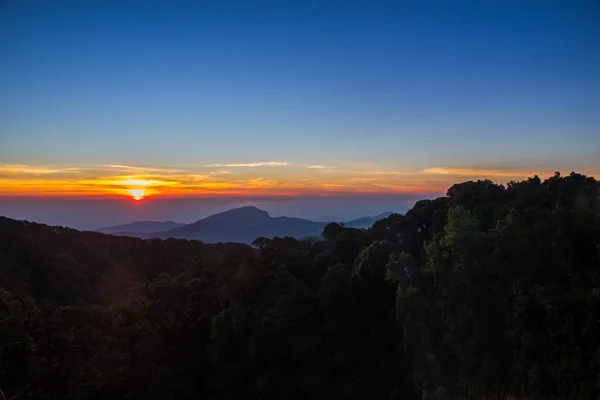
[489, 291]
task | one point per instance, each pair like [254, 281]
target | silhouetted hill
[63, 264]
[244, 224]
[138, 227]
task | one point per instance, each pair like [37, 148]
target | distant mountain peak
[248, 209]
[244, 224]
[240, 212]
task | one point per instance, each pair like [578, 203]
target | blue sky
[473, 84]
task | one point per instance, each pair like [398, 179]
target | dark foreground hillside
[488, 291]
[67, 266]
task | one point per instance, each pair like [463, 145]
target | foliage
[487, 292]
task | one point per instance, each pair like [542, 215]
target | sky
[301, 99]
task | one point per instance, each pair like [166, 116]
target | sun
[137, 194]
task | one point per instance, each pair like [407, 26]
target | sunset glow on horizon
[268, 179]
[137, 194]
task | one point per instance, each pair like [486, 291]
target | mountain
[140, 227]
[366, 222]
[243, 225]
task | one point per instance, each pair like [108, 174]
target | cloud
[333, 185]
[75, 169]
[251, 165]
[475, 172]
[387, 173]
[220, 172]
[139, 182]
[34, 169]
[320, 167]
[140, 169]
[359, 179]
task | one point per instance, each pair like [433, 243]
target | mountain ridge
[367, 222]
[242, 224]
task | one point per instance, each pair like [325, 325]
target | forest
[492, 291]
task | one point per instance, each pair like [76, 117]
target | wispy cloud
[476, 172]
[359, 179]
[320, 167]
[220, 172]
[34, 169]
[135, 168]
[333, 185]
[75, 168]
[251, 165]
[387, 173]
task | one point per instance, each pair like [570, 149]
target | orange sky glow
[278, 178]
